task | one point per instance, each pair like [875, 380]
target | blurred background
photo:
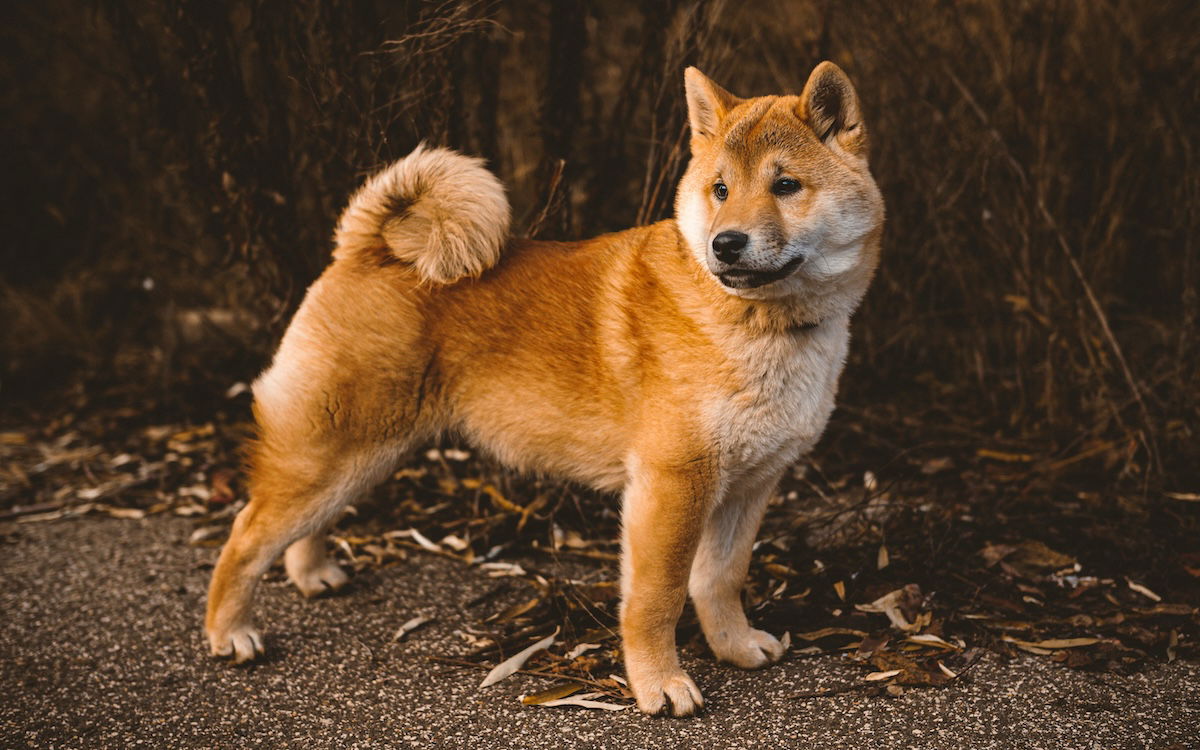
[172, 172]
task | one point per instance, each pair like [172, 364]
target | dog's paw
[242, 644]
[671, 691]
[749, 649]
[319, 579]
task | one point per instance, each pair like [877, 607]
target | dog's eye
[785, 186]
[720, 191]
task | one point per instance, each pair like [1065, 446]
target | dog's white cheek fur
[691, 214]
[832, 262]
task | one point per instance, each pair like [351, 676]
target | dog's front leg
[719, 572]
[662, 518]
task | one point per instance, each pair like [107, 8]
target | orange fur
[623, 362]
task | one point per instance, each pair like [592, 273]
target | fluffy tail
[441, 211]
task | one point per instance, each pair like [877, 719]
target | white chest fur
[782, 399]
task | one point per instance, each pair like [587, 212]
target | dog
[685, 364]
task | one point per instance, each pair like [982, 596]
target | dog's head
[778, 198]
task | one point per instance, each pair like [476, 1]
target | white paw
[655, 693]
[316, 581]
[749, 649]
[243, 643]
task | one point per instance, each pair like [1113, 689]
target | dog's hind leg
[309, 567]
[288, 502]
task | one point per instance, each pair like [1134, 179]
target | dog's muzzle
[745, 278]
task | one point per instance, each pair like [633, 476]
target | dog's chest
[779, 399]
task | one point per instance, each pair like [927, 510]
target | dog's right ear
[707, 103]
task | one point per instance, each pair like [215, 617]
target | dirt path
[100, 647]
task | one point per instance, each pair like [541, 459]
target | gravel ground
[100, 646]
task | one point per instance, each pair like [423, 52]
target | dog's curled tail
[436, 209]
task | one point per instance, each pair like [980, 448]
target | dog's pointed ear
[830, 106]
[707, 103]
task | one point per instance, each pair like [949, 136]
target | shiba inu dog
[684, 364]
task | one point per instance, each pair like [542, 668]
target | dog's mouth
[740, 278]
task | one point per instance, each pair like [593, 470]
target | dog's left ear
[707, 103]
[829, 105]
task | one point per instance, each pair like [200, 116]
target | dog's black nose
[728, 246]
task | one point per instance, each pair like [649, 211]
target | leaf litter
[981, 553]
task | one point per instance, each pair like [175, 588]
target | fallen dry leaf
[900, 606]
[510, 666]
[1027, 559]
[1143, 591]
[205, 534]
[557, 692]
[579, 650]
[1034, 557]
[928, 639]
[424, 541]
[126, 513]
[907, 671]
[871, 645]
[817, 635]
[515, 611]
[501, 569]
[1051, 644]
[586, 701]
[409, 627]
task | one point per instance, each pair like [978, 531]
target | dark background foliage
[172, 172]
